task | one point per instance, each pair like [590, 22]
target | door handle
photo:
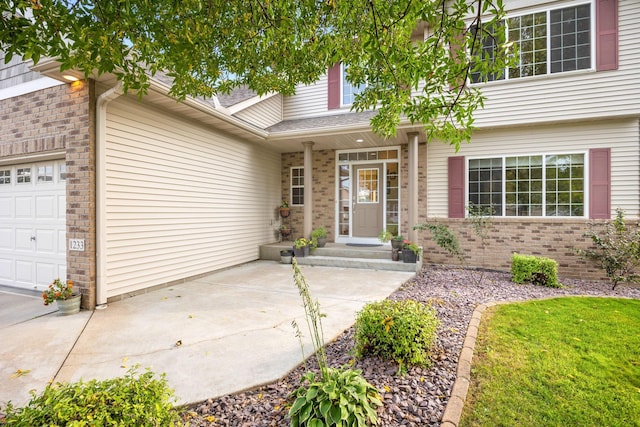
[33, 238]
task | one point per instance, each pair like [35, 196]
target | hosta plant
[342, 397]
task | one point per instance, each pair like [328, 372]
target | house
[122, 195]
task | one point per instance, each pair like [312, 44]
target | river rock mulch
[418, 397]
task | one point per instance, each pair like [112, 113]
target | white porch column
[308, 188]
[413, 184]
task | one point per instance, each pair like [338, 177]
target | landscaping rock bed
[418, 397]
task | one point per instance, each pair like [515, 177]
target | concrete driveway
[219, 334]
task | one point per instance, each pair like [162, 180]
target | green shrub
[403, 331]
[342, 398]
[537, 270]
[139, 400]
[616, 249]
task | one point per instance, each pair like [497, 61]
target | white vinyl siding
[16, 72]
[579, 95]
[309, 101]
[263, 114]
[621, 135]
[181, 199]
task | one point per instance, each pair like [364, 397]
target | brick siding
[555, 239]
[61, 118]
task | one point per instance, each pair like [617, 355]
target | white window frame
[586, 184]
[6, 179]
[297, 186]
[547, 10]
[343, 80]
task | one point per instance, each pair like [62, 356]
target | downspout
[101, 142]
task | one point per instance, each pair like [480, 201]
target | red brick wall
[324, 178]
[554, 239]
[61, 118]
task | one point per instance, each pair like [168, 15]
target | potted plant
[285, 231]
[396, 240]
[301, 247]
[62, 293]
[285, 256]
[319, 237]
[285, 210]
[410, 252]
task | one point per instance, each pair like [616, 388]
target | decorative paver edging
[453, 411]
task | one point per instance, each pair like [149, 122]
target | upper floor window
[349, 91]
[551, 41]
[297, 186]
[537, 185]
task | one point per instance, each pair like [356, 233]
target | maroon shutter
[606, 35]
[600, 183]
[333, 95]
[456, 187]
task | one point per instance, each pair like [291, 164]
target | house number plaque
[76, 245]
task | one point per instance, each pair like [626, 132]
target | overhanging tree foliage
[210, 47]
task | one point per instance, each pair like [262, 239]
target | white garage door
[32, 224]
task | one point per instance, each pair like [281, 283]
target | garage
[32, 223]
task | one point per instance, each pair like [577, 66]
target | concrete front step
[338, 255]
[362, 263]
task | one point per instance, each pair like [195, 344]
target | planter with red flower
[62, 293]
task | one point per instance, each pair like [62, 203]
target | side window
[297, 186]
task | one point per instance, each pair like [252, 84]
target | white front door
[32, 224]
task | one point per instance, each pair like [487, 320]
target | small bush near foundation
[537, 270]
[616, 249]
[132, 400]
[403, 331]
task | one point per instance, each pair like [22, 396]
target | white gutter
[101, 142]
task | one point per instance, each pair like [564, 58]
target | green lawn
[558, 362]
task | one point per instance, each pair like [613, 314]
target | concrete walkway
[220, 334]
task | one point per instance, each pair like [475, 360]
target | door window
[368, 185]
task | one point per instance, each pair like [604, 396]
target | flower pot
[322, 241]
[284, 212]
[302, 252]
[396, 254]
[285, 257]
[285, 232]
[409, 256]
[396, 244]
[69, 305]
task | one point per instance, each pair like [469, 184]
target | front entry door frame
[346, 197]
